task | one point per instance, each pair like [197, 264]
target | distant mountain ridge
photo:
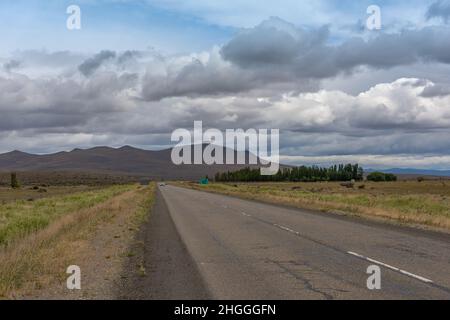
[126, 160]
[412, 171]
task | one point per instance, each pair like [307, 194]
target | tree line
[381, 177]
[342, 172]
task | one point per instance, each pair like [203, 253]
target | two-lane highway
[249, 250]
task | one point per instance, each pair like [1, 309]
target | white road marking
[409, 274]
[391, 267]
[286, 229]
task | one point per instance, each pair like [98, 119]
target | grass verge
[89, 229]
[20, 218]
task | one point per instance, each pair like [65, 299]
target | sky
[137, 70]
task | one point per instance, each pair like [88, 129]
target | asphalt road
[237, 249]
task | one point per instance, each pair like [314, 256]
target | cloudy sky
[139, 69]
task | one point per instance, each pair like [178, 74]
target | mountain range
[105, 160]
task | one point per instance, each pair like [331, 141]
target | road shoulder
[162, 268]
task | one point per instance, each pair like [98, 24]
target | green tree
[376, 177]
[296, 174]
[14, 182]
[390, 177]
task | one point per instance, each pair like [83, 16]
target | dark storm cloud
[274, 42]
[282, 47]
[40, 121]
[195, 79]
[40, 103]
[439, 9]
[89, 66]
[438, 90]
[198, 79]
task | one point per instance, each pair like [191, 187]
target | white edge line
[286, 229]
[391, 267]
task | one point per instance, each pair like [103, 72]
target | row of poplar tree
[296, 174]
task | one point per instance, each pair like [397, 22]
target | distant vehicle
[162, 184]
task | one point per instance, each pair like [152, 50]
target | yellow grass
[32, 193]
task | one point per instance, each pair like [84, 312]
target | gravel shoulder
[162, 268]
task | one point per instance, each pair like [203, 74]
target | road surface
[248, 250]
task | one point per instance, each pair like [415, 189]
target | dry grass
[39, 260]
[32, 193]
[409, 202]
[66, 178]
[20, 218]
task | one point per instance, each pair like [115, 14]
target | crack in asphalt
[308, 283]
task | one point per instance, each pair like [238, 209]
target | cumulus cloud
[270, 59]
[277, 54]
[385, 107]
[389, 118]
[283, 47]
